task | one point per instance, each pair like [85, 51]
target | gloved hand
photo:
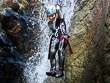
[57, 7]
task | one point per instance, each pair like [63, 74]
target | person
[60, 38]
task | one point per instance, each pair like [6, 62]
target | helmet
[50, 10]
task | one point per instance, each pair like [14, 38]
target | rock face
[17, 42]
[90, 41]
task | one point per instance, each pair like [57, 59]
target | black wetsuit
[58, 28]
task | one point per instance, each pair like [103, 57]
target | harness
[59, 30]
[62, 34]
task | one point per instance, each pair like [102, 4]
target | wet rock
[87, 64]
[11, 45]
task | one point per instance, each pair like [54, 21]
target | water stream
[38, 64]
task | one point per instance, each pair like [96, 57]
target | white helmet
[50, 10]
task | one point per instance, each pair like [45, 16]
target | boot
[51, 73]
[60, 74]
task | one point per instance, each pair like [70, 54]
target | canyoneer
[58, 41]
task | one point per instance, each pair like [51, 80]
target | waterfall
[38, 64]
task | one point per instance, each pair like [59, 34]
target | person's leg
[61, 57]
[53, 60]
[52, 71]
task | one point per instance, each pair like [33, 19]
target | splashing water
[38, 64]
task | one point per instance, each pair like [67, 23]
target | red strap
[69, 47]
[61, 37]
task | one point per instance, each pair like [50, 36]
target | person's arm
[58, 9]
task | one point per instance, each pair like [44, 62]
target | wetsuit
[59, 32]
